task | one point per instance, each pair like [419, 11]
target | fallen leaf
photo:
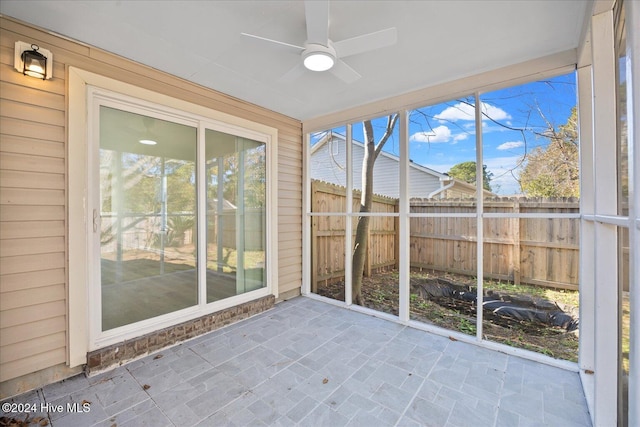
[588, 371]
[85, 402]
[157, 356]
[146, 387]
[44, 422]
[453, 339]
[324, 381]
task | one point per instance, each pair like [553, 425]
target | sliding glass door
[147, 216]
[179, 219]
[236, 214]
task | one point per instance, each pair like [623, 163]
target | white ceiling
[200, 41]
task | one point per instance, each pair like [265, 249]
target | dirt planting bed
[523, 316]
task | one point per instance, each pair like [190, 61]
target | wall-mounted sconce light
[31, 60]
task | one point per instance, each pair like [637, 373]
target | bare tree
[372, 150]
[361, 244]
[553, 171]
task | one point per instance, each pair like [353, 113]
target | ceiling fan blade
[344, 72]
[292, 74]
[264, 39]
[366, 42]
[317, 15]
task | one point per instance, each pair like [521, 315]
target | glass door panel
[147, 213]
[236, 215]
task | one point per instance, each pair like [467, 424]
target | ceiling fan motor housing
[317, 57]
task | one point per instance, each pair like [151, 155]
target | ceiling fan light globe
[319, 61]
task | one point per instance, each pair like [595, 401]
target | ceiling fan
[319, 53]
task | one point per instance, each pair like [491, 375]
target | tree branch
[391, 123]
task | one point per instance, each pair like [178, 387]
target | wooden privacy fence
[328, 233]
[539, 251]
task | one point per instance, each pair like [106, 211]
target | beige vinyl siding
[33, 183]
[289, 211]
[32, 228]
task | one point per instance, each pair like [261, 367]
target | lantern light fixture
[31, 60]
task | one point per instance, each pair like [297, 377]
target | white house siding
[328, 163]
[33, 197]
[422, 184]
[329, 166]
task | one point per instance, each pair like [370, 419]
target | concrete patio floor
[309, 363]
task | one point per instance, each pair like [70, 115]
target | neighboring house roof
[461, 189]
[429, 183]
[336, 135]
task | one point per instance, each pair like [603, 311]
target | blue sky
[443, 135]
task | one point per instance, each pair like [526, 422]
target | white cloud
[437, 134]
[510, 145]
[460, 137]
[462, 111]
[496, 113]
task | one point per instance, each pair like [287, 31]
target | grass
[567, 297]
[466, 326]
[626, 314]
[381, 293]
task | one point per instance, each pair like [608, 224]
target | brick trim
[123, 352]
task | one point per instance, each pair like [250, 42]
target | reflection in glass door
[236, 215]
[147, 216]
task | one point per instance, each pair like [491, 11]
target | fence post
[516, 242]
[396, 238]
[314, 239]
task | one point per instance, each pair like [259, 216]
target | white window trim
[604, 219]
[587, 237]
[83, 336]
[632, 10]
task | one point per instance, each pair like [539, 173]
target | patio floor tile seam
[302, 356]
[284, 366]
[354, 371]
[274, 367]
[125, 372]
[187, 347]
[156, 404]
[415, 394]
[499, 392]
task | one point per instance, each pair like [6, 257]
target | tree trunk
[366, 200]
[361, 244]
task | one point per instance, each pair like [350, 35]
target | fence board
[539, 251]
